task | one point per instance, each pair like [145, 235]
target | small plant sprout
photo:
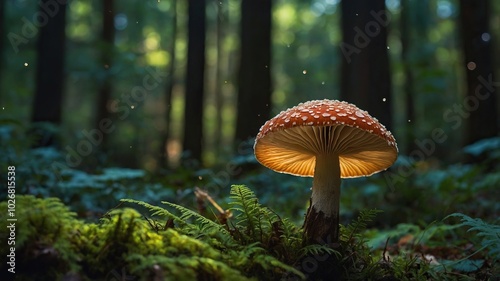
[327, 140]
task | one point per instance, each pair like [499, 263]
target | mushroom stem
[322, 220]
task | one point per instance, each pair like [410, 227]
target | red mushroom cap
[290, 142]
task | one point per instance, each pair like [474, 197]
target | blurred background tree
[105, 90]
[366, 79]
[480, 104]
[49, 25]
[195, 80]
[254, 80]
[227, 66]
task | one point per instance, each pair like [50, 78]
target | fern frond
[317, 249]
[155, 210]
[253, 222]
[253, 254]
[270, 263]
[490, 233]
[292, 235]
[354, 229]
[204, 222]
[246, 206]
[193, 224]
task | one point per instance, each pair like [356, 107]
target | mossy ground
[172, 242]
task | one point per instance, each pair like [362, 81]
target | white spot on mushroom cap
[359, 114]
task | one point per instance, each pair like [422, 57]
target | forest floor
[416, 221]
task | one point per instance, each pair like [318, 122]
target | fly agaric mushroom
[327, 140]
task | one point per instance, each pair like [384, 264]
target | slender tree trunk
[47, 104]
[170, 85]
[480, 104]
[366, 79]
[105, 91]
[219, 99]
[254, 89]
[407, 68]
[193, 110]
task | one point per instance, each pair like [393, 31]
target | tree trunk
[254, 89]
[219, 73]
[406, 27]
[47, 103]
[366, 78]
[168, 91]
[480, 105]
[193, 110]
[105, 91]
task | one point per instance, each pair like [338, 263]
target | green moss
[52, 243]
[45, 229]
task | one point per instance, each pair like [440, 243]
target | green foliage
[202, 226]
[45, 229]
[489, 233]
[176, 243]
[463, 265]
[45, 172]
[52, 243]
[422, 192]
[105, 246]
[249, 244]
[488, 146]
[253, 222]
[356, 260]
[353, 230]
[184, 268]
[428, 235]
[408, 267]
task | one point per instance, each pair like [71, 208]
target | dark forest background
[191, 80]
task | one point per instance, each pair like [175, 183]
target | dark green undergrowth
[140, 241]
